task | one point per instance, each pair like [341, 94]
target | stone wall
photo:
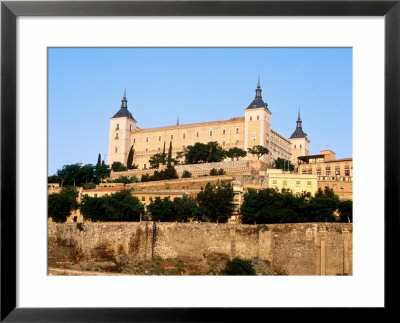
[230, 167]
[294, 249]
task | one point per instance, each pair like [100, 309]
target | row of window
[117, 127]
[298, 183]
[184, 135]
[183, 146]
[327, 173]
[341, 186]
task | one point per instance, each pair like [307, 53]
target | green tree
[238, 266]
[161, 209]
[101, 172]
[85, 174]
[198, 153]
[185, 208]
[345, 209]
[215, 202]
[236, 152]
[59, 206]
[118, 167]
[156, 160]
[215, 152]
[323, 205]
[129, 161]
[271, 206]
[53, 179]
[179, 158]
[169, 159]
[169, 173]
[258, 151]
[98, 159]
[164, 156]
[284, 164]
[121, 206]
[69, 175]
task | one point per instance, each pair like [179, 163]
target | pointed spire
[258, 90]
[177, 121]
[124, 101]
[298, 122]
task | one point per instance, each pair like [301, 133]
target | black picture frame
[10, 10]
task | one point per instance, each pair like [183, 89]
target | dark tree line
[77, 175]
[271, 206]
[212, 204]
[121, 206]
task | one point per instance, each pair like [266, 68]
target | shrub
[221, 171]
[238, 266]
[186, 174]
[89, 186]
[213, 172]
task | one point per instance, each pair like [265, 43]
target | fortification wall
[296, 249]
[230, 167]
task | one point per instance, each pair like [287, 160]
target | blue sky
[86, 85]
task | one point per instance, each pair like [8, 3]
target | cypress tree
[130, 159]
[99, 159]
[163, 155]
[169, 160]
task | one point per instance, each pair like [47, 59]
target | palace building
[252, 129]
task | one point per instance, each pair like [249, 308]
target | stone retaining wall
[236, 166]
[295, 249]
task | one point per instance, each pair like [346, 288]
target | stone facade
[296, 249]
[337, 174]
[244, 132]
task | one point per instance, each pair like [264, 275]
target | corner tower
[299, 141]
[257, 129]
[122, 124]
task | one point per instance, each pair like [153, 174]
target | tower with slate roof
[257, 124]
[122, 124]
[299, 141]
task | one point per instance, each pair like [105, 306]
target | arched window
[251, 118]
[116, 135]
[258, 118]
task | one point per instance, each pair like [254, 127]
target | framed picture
[21, 168]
